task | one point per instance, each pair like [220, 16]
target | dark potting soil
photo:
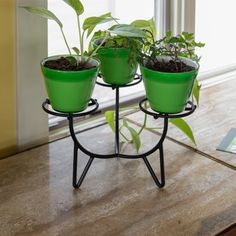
[66, 65]
[170, 66]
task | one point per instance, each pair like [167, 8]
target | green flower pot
[117, 68]
[169, 92]
[69, 91]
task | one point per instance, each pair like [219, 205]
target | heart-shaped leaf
[184, 127]
[134, 134]
[196, 91]
[110, 116]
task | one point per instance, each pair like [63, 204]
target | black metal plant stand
[93, 106]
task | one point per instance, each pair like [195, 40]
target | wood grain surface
[118, 197]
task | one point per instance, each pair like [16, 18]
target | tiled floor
[118, 197]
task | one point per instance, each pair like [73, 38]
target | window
[215, 26]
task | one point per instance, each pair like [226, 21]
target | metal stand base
[159, 182]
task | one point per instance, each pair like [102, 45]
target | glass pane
[130, 10]
[215, 26]
[126, 11]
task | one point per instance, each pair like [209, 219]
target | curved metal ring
[125, 156]
[137, 80]
[188, 111]
[93, 102]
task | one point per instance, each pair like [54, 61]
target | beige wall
[8, 132]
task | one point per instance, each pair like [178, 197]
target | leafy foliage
[175, 47]
[76, 50]
[126, 35]
[129, 36]
[134, 134]
[91, 22]
[196, 91]
[88, 26]
[110, 117]
[127, 31]
[184, 127]
[148, 26]
[140, 36]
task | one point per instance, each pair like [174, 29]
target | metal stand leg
[75, 162]
[117, 127]
[161, 183]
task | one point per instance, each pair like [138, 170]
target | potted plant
[166, 91]
[70, 79]
[118, 52]
[169, 68]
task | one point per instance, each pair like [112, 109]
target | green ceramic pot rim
[95, 61]
[186, 60]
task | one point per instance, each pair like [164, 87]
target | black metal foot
[75, 162]
[160, 183]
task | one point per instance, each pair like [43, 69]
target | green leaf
[110, 116]
[72, 60]
[43, 12]
[127, 31]
[188, 36]
[134, 134]
[198, 44]
[76, 5]
[76, 50]
[91, 22]
[97, 35]
[184, 127]
[175, 40]
[86, 54]
[196, 91]
[168, 34]
[141, 24]
[153, 27]
[146, 24]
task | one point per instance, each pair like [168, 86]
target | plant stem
[64, 37]
[152, 128]
[80, 39]
[94, 52]
[132, 108]
[83, 40]
[115, 20]
[144, 124]
[145, 121]
[126, 139]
